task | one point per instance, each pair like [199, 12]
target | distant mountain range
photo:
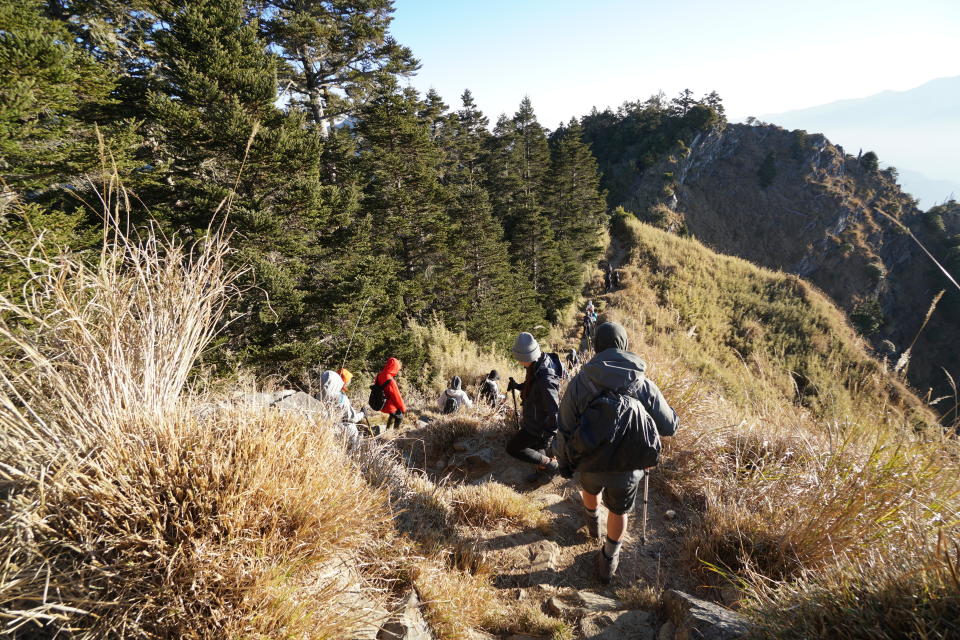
[917, 131]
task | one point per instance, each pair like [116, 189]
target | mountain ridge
[909, 129]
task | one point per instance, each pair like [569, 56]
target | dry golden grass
[823, 505]
[482, 505]
[130, 512]
[452, 354]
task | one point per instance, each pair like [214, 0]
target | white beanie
[525, 348]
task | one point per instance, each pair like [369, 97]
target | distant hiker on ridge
[454, 398]
[540, 393]
[385, 394]
[490, 390]
[611, 418]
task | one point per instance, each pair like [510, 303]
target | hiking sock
[610, 548]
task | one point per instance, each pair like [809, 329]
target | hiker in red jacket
[394, 406]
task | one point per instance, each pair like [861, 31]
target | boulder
[264, 399]
[407, 623]
[592, 602]
[462, 446]
[299, 401]
[556, 607]
[667, 632]
[618, 625]
[697, 619]
[361, 612]
[479, 461]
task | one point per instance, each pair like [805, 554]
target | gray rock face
[407, 623]
[618, 625]
[697, 619]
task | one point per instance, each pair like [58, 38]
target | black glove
[513, 384]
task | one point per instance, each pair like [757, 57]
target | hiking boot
[606, 567]
[543, 473]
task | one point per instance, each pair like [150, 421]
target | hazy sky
[761, 56]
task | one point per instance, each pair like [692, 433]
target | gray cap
[525, 348]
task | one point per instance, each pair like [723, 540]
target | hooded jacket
[455, 391]
[541, 396]
[616, 369]
[391, 392]
[331, 392]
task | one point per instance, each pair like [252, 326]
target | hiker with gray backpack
[611, 420]
[454, 398]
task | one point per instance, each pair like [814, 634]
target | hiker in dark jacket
[540, 393]
[609, 464]
[490, 390]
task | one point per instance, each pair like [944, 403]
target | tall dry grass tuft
[451, 354]
[127, 511]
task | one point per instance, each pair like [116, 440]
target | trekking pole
[516, 412]
[646, 487]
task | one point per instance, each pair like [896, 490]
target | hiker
[589, 309]
[386, 383]
[540, 393]
[490, 390]
[331, 392]
[609, 417]
[573, 360]
[454, 398]
[588, 324]
[608, 278]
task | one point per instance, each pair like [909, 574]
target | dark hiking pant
[527, 447]
[394, 420]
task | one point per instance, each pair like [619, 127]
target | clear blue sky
[761, 56]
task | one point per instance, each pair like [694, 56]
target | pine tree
[336, 53]
[49, 92]
[517, 169]
[226, 150]
[574, 201]
[497, 302]
[404, 200]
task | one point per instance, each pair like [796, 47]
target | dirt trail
[537, 564]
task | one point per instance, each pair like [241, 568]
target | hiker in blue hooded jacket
[588, 444]
[540, 392]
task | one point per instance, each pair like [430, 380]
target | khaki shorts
[619, 488]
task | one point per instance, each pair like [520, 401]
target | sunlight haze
[760, 57]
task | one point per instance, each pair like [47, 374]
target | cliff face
[795, 202]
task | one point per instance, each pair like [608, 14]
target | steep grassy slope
[760, 334]
[795, 202]
[805, 500]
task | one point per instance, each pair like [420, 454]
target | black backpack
[615, 433]
[488, 391]
[377, 398]
[451, 404]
